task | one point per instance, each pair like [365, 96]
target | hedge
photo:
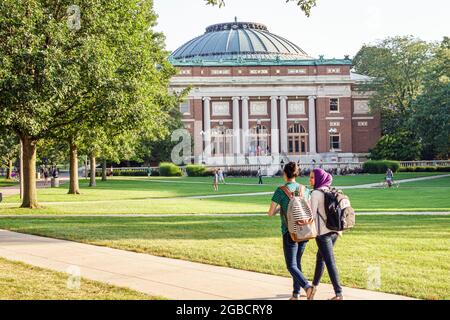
[425, 169]
[194, 170]
[380, 166]
[168, 169]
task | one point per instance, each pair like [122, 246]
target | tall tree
[397, 67]
[305, 5]
[61, 64]
[431, 110]
[9, 150]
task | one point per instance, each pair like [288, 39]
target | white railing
[425, 163]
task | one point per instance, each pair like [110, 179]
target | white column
[275, 150]
[283, 125]
[236, 126]
[312, 125]
[245, 125]
[207, 125]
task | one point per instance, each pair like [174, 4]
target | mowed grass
[19, 281]
[413, 252]
[350, 180]
[6, 183]
[428, 195]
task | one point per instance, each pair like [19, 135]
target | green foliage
[402, 146]
[398, 67]
[194, 170]
[168, 169]
[9, 147]
[410, 87]
[380, 166]
[426, 169]
[305, 5]
[431, 110]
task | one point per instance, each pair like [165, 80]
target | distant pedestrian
[216, 180]
[221, 176]
[259, 173]
[45, 173]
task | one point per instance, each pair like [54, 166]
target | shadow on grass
[214, 228]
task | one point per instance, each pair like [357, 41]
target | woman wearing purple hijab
[321, 181]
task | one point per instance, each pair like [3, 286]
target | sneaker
[295, 296]
[337, 298]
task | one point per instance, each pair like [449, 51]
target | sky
[336, 27]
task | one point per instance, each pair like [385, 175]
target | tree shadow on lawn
[214, 228]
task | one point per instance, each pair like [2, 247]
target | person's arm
[273, 210]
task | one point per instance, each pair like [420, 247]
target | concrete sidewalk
[170, 278]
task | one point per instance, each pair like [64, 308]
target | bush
[443, 169]
[425, 169]
[129, 173]
[380, 166]
[167, 169]
[194, 170]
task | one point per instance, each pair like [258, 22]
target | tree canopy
[305, 5]
[410, 88]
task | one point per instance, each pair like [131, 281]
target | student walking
[216, 181]
[259, 174]
[293, 251]
[321, 181]
[389, 177]
[221, 177]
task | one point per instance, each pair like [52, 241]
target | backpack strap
[287, 192]
[290, 194]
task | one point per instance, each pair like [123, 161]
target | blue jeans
[325, 256]
[293, 252]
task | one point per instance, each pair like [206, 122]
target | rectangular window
[184, 107]
[334, 105]
[218, 72]
[291, 145]
[335, 142]
[363, 124]
[334, 70]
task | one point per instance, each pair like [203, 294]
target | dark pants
[293, 252]
[260, 180]
[325, 257]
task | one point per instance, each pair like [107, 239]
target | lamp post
[222, 130]
[203, 133]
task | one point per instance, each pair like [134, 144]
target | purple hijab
[322, 179]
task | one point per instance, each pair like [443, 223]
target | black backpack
[340, 214]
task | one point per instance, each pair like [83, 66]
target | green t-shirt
[282, 199]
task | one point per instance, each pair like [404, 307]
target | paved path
[216, 215]
[170, 278]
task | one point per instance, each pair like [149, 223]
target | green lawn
[6, 183]
[139, 196]
[338, 180]
[19, 281]
[413, 252]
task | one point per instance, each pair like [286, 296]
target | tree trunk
[74, 186]
[28, 175]
[93, 182]
[10, 169]
[104, 177]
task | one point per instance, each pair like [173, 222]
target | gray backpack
[299, 210]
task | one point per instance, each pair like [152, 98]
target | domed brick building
[258, 98]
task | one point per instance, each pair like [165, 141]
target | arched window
[258, 141]
[221, 141]
[297, 139]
